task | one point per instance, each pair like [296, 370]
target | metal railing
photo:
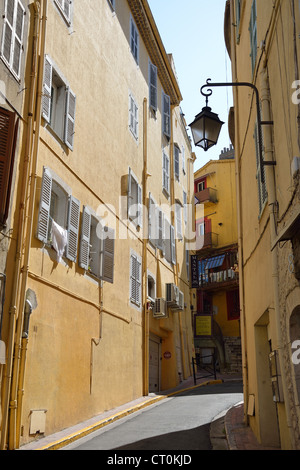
[202, 368]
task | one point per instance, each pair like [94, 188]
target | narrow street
[180, 422]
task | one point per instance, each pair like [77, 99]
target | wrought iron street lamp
[207, 126]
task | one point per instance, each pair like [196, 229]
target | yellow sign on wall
[203, 325]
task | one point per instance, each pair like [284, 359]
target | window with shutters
[58, 209]
[59, 102]
[185, 208]
[12, 37]
[133, 117]
[153, 86]
[8, 136]
[135, 279]
[176, 161]
[134, 200]
[166, 115]
[166, 174]
[97, 246]
[65, 7]
[134, 40]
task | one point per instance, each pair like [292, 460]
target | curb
[58, 444]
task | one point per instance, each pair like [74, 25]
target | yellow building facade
[216, 259]
[262, 41]
[97, 304]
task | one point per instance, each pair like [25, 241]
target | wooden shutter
[7, 41]
[84, 252]
[73, 228]
[13, 34]
[47, 85]
[138, 281]
[166, 116]
[166, 174]
[70, 118]
[8, 134]
[133, 261]
[153, 86]
[108, 251]
[44, 210]
[140, 207]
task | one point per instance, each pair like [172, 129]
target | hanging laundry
[59, 239]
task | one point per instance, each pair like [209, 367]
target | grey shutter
[46, 103]
[70, 118]
[17, 47]
[140, 207]
[84, 252]
[138, 281]
[160, 221]
[130, 201]
[133, 261]
[7, 40]
[108, 251]
[173, 245]
[44, 210]
[166, 116]
[73, 228]
[153, 86]
[176, 161]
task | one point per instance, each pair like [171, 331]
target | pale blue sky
[193, 31]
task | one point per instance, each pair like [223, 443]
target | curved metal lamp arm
[259, 121]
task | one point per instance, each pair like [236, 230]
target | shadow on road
[191, 439]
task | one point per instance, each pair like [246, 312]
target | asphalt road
[180, 422]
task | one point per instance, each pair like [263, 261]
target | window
[97, 246]
[59, 206]
[176, 161]
[65, 8]
[153, 86]
[151, 286]
[133, 117]
[8, 135]
[201, 186]
[134, 200]
[166, 106]
[58, 107]
[12, 39]
[262, 188]
[135, 279]
[253, 35]
[166, 174]
[134, 40]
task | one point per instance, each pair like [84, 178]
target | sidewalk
[228, 432]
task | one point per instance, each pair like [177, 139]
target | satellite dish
[30, 295]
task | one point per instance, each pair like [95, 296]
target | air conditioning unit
[180, 301]
[172, 295]
[160, 308]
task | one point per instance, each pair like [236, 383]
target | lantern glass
[206, 128]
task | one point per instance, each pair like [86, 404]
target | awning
[215, 262]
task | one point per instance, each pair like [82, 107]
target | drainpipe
[14, 317]
[237, 147]
[145, 265]
[272, 203]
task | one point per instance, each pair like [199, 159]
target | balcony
[207, 195]
[207, 240]
[218, 271]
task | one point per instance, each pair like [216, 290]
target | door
[154, 359]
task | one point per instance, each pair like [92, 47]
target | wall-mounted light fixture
[206, 126]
